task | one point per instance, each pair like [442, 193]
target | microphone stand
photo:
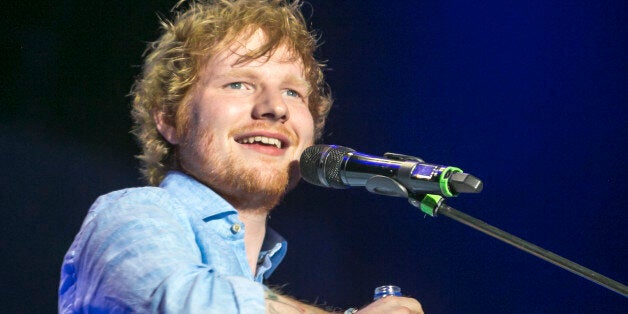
[433, 205]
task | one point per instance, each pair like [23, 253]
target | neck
[258, 204]
[255, 223]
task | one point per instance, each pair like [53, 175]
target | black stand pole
[537, 251]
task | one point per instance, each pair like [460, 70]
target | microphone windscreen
[321, 165]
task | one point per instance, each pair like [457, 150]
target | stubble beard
[246, 187]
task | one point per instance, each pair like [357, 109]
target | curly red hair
[196, 33]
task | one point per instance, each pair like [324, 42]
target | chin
[253, 181]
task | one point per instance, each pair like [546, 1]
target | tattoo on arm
[276, 303]
[271, 295]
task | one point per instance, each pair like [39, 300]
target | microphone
[393, 174]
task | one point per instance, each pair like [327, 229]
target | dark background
[530, 96]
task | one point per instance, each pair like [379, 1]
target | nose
[270, 105]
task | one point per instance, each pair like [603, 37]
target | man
[229, 98]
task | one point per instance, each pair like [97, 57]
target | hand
[392, 304]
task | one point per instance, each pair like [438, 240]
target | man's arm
[277, 303]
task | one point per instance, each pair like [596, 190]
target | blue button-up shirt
[176, 248]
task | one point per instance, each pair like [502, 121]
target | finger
[413, 305]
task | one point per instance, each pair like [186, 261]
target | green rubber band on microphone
[444, 180]
[429, 203]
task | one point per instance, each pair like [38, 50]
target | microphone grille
[309, 163]
[321, 165]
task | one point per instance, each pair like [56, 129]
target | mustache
[267, 127]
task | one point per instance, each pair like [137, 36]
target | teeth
[261, 139]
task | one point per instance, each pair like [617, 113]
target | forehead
[245, 50]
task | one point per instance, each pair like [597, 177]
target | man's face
[248, 123]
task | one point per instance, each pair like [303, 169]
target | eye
[293, 93]
[236, 85]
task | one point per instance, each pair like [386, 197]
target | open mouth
[262, 140]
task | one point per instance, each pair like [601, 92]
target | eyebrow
[237, 73]
[299, 81]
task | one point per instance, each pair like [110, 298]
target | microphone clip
[401, 157]
[383, 185]
[427, 203]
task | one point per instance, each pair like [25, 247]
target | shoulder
[133, 213]
[133, 203]
[133, 196]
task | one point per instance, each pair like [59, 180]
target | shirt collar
[273, 251]
[196, 197]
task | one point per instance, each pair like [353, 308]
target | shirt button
[235, 228]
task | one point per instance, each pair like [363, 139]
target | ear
[165, 127]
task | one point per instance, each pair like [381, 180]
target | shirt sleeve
[131, 257]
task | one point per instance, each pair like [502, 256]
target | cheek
[219, 117]
[304, 125]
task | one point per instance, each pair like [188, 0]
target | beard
[246, 185]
